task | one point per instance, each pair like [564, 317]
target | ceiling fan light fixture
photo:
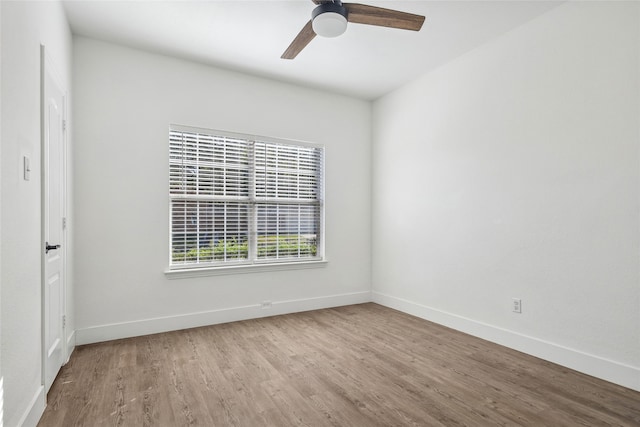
[329, 20]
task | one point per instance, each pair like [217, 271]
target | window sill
[185, 273]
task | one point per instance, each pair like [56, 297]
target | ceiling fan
[329, 19]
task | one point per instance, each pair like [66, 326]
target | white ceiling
[249, 36]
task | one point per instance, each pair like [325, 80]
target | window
[237, 199]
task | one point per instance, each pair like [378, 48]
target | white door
[53, 205]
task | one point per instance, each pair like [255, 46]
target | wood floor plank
[361, 365]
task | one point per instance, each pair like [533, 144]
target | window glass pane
[208, 165]
[205, 231]
[287, 171]
[287, 231]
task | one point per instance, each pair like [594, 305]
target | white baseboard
[1, 401]
[35, 409]
[193, 320]
[71, 345]
[609, 370]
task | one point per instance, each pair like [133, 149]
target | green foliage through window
[269, 247]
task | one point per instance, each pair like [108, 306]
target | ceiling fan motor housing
[329, 19]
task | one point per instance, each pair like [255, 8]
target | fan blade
[372, 15]
[302, 39]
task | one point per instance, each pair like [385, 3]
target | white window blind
[244, 200]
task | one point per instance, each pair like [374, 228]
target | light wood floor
[362, 365]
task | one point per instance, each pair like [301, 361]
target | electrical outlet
[517, 305]
[265, 305]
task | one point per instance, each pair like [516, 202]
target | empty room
[319, 213]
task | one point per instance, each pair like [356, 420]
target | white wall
[1, 378]
[125, 101]
[25, 25]
[513, 171]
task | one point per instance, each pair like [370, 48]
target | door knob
[49, 247]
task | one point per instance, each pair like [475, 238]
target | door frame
[48, 67]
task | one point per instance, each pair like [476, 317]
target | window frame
[252, 263]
